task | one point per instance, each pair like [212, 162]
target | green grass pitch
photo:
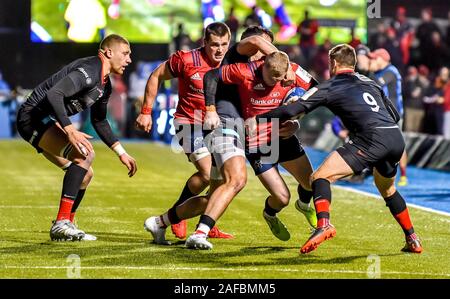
[115, 207]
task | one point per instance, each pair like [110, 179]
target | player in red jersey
[189, 67]
[261, 90]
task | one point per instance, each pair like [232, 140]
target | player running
[43, 121]
[376, 141]
[189, 67]
[261, 89]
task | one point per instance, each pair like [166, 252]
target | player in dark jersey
[376, 141]
[43, 121]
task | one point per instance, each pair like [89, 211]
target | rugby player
[228, 175]
[189, 67]
[43, 121]
[261, 88]
[375, 141]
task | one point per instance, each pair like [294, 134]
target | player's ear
[108, 53]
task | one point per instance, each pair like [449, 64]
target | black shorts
[383, 152]
[289, 149]
[32, 127]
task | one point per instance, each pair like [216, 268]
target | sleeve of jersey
[176, 63]
[101, 124]
[210, 81]
[303, 78]
[68, 86]
[233, 73]
[312, 99]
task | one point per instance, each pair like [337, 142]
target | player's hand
[211, 120]
[130, 163]
[288, 128]
[80, 142]
[251, 127]
[289, 78]
[144, 122]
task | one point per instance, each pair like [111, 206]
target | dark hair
[216, 28]
[256, 30]
[344, 55]
[112, 39]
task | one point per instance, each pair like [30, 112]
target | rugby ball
[293, 95]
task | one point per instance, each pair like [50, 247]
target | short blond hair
[277, 63]
[111, 39]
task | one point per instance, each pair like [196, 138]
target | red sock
[323, 212]
[65, 208]
[405, 221]
[402, 170]
[72, 216]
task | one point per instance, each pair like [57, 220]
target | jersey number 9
[370, 100]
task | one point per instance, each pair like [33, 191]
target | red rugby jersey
[190, 67]
[257, 97]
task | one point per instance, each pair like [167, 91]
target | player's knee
[283, 197]
[85, 160]
[237, 181]
[205, 176]
[387, 191]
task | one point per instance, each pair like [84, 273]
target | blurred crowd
[418, 47]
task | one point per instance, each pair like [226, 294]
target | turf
[116, 206]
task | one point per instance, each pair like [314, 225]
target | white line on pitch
[379, 197]
[224, 269]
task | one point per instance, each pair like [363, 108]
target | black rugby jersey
[76, 87]
[356, 99]
[227, 96]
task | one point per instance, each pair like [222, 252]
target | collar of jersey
[345, 72]
[102, 75]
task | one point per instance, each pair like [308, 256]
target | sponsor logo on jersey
[86, 75]
[259, 86]
[194, 89]
[196, 76]
[265, 102]
[76, 104]
[275, 94]
[304, 75]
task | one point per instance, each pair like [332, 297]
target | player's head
[117, 50]
[340, 57]
[379, 59]
[362, 57]
[275, 68]
[258, 30]
[217, 39]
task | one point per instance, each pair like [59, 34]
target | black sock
[185, 195]
[173, 217]
[304, 195]
[72, 181]
[268, 209]
[78, 200]
[206, 220]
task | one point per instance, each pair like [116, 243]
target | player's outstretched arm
[249, 46]
[160, 74]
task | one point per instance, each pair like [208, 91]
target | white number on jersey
[370, 100]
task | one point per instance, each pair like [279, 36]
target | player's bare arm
[162, 73]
